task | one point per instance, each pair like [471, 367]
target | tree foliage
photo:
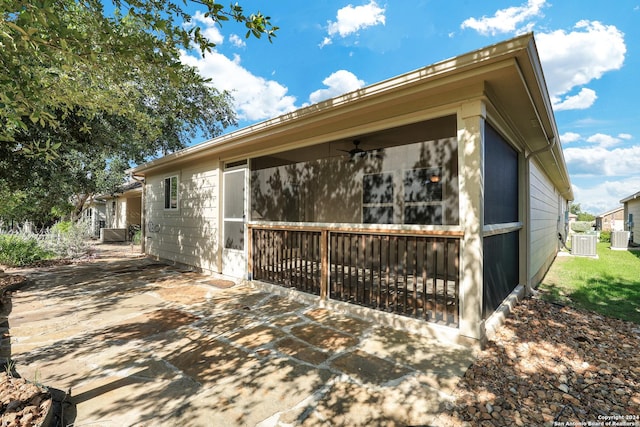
[575, 209]
[85, 93]
[64, 56]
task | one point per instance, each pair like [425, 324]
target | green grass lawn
[609, 285]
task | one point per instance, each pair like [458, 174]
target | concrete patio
[139, 342]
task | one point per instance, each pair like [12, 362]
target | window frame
[432, 200]
[167, 201]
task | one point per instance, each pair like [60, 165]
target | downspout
[551, 143]
[143, 228]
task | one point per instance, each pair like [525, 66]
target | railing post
[324, 260]
[249, 254]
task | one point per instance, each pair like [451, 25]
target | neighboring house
[121, 210]
[632, 216]
[437, 194]
[94, 212]
[612, 220]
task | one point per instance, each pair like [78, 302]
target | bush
[137, 237]
[18, 250]
[605, 236]
[62, 227]
[68, 239]
[581, 226]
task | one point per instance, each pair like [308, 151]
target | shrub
[62, 227]
[137, 237]
[605, 236]
[581, 226]
[18, 250]
[68, 239]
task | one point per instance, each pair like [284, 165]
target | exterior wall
[633, 207]
[95, 214]
[134, 210]
[546, 221]
[121, 213]
[612, 221]
[188, 235]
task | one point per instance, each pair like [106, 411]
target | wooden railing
[414, 275]
[288, 258]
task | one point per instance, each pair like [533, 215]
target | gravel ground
[556, 366]
[22, 403]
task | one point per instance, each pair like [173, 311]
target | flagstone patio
[139, 342]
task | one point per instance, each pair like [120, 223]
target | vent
[619, 239]
[583, 244]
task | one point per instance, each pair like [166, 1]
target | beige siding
[633, 207]
[546, 209]
[121, 213]
[190, 234]
[133, 210]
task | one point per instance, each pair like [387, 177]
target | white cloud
[605, 195]
[573, 59]
[350, 19]
[236, 40]
[625, 136]
[604, 140]
[600, 161]
[569, 137]
[255, 98]
[338, 83]
[507, 20]
[570, 59]
[209, 28]
[583, 100]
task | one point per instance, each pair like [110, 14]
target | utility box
[584, 245]
[620, 239]
[108, 235]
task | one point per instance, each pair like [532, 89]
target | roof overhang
[631, 197]
[507, 75]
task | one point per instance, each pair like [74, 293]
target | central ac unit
[583, 244]
[619, 239]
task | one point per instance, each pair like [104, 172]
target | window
[423, 196]
[377, 198]
[171, 193]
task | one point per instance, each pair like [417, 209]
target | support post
[471, 121]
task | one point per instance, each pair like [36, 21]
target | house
[95, 213]
[119, 213]
[631, 217]
[612, 220]
[438, 195]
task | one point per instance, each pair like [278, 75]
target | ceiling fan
[356, 151]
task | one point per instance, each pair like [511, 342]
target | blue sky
[590, 53]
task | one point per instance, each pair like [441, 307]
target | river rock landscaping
[552, 364]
